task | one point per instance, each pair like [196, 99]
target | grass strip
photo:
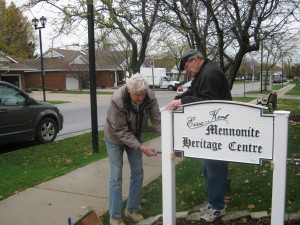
[37, 164]
[294, 91]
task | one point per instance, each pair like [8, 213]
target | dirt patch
[242, 221]
[294, 119]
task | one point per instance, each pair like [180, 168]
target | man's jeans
[115, 154]
[215, 174]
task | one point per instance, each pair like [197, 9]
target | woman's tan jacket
[124, 124]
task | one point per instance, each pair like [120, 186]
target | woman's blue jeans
[215, 174]
[115, 155]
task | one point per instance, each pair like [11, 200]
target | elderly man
[209, 83]
[130, 108]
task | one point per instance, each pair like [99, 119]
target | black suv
[22, 117]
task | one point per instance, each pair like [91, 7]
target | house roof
[61, 59]
[55, 59]
[7, 63]
[20, 67]
[111, 60]
[5, 58]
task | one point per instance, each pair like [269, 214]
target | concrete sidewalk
[73, 194]
[75, 98]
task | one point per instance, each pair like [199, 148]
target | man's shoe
[205, 208]
[133, 215]
[211, 214]
[116, 221]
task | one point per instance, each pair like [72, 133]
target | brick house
[12, 71]
[64, 70]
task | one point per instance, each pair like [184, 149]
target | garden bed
[243, 221]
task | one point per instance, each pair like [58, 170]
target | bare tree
[274, 51]
[112, 44]
[135, 20]
[223, 30]
[233, 27]
[189, 22]
[171, 48]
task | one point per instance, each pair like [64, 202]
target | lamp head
[43, 21]
[35, 22]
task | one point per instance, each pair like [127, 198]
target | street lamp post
[35, 22]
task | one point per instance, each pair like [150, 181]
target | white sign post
[228, 131]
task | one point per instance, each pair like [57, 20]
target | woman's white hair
[137, 83]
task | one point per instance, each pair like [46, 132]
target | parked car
[277, 79]
[284, 79]
[23, 118]
[184, 87]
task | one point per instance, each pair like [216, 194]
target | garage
[72, 83]
[13, 79]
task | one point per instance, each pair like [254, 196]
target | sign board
[228, 131]
[223, 131]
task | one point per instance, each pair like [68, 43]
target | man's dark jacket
[209, 84]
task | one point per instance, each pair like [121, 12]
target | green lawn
[267, 91]
[34, 165]
[294, 91]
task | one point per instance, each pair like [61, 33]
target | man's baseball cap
[185, 57]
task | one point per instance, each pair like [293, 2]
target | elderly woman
[130, 108]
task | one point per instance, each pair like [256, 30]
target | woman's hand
[148, 151]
